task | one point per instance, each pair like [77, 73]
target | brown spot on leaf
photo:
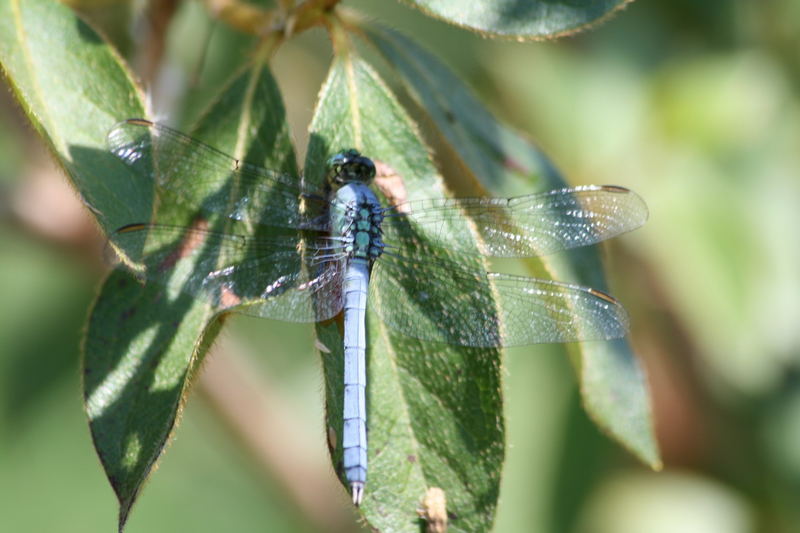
[514, 165]
[391, 185]
[194, 237]
[228, 298]
[127, 313]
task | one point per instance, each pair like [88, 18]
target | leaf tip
[124, 512]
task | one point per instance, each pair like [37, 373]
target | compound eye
[341, 158]
[350, 165]
[368, 170]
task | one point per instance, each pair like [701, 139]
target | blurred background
[695, 105]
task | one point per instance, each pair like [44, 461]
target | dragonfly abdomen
[354, 437]
[356, 215]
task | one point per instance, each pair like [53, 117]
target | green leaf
[144, 342]
[494, 154]
[531, 19]
[73, 87]
[613, 385]
[137, 354]
[434, 411]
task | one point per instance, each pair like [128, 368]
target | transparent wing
[442, 301]
[525, 226]
[202, 177]
[267, 277]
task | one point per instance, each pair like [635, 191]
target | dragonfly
[269, 244]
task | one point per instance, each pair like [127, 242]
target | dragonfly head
[349, 166]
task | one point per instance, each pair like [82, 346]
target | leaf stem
[244, 17]
[311, 13]
[286, 19]
[267, 47]
[337, 29]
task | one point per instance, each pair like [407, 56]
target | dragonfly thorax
[350, 166]
[356, 216]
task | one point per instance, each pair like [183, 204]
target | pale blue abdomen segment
[354, 433]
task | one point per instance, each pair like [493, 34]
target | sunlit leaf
[73, 87]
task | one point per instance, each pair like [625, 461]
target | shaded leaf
[613, 385]
[137, 353]
[525, 19]
[144, 342]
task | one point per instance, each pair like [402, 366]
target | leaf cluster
[435, 413]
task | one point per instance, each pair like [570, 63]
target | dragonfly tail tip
[357, 489]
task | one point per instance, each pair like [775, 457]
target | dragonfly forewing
[524, 226]
[201, 178]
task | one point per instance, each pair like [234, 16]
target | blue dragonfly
[267, 244]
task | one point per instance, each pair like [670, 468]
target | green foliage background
[697, 108]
